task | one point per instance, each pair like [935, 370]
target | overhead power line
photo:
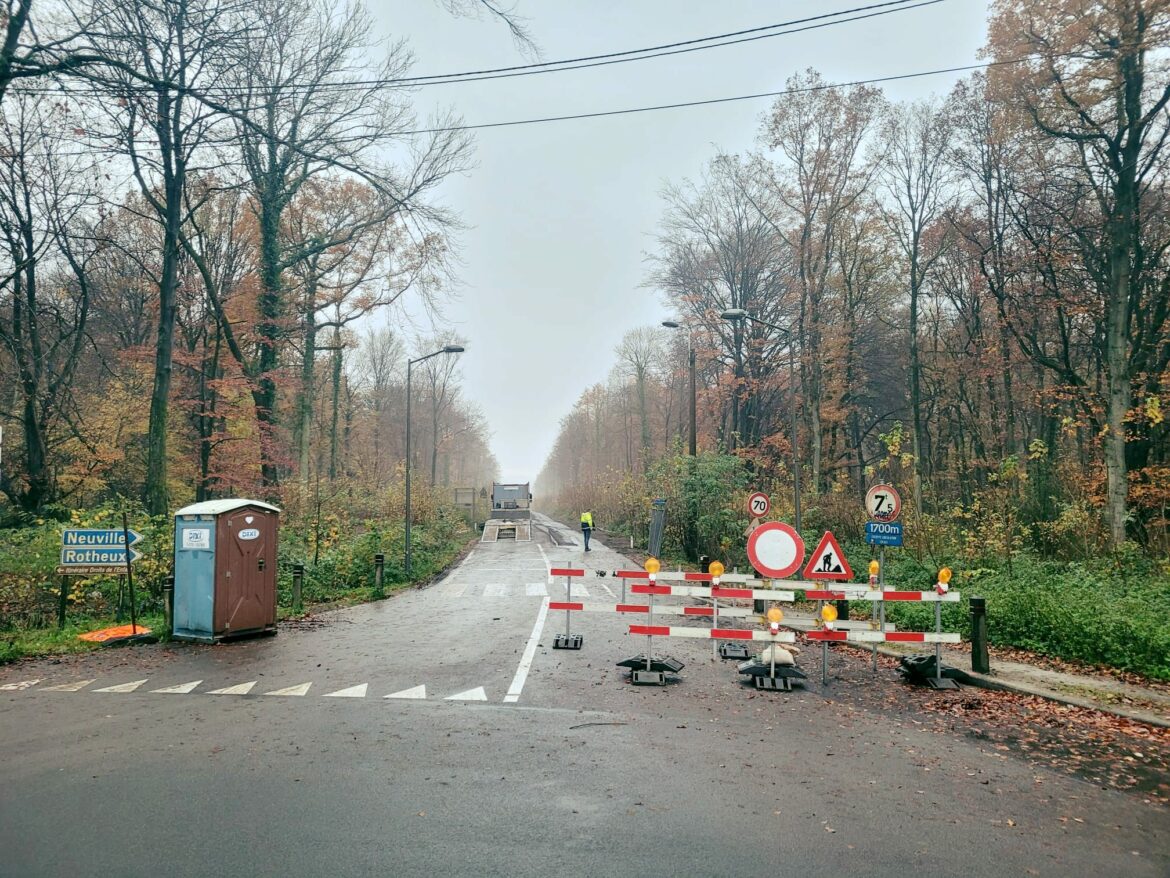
[784, 28]
[711, 101]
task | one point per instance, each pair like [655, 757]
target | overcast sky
[560, 216]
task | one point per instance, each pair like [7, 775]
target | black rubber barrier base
[568, 641]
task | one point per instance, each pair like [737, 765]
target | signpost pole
[129, 574]
[64, 598]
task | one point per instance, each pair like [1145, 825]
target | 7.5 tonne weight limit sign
[775, 549]
[883, 503]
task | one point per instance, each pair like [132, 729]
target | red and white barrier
[882, 636]
[713, 633]
[702, 612]
[715, 591]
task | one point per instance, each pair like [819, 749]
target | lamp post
[737, 314]
[671, 324]
[446, 349]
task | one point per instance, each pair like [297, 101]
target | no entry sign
[775, 549]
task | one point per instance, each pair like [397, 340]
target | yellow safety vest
[587, 518]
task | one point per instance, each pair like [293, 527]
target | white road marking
[358, 691]
[608, 590]
[476, 694]
[122, 687]
[302, 689]
[181, 689]
[536, 590]
[16, 687]
[529, 654]
[540, 548]
[413, 692]
[579, 591]
[69, 687]
[240, 689]
[495, 590]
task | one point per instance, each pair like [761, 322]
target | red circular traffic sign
[775, 549]
[758, 504]
[883, 503]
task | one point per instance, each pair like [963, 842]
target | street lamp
[446, 349]
[671, 324]
[735, 315]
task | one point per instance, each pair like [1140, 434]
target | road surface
[438, 733]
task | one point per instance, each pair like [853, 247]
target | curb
[984, 681]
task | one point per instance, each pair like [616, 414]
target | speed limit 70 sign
[758, 504]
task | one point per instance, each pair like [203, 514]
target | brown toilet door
[245, 600]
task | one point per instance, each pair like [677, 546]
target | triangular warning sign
[827, 561]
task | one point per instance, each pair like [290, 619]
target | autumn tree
[1094, 80]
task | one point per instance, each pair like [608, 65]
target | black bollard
[169, 605]
[379, 562]
[298, 578]
[843, 611]
[980, 661]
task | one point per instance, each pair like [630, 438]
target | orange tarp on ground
[104, 634]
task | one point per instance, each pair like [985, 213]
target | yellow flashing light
[829, 613]
[716, 568]
[775, 614]
[874, 568]
[652, 565]
[944, 576]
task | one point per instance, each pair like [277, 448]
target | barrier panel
[646, 669]
[568, 640]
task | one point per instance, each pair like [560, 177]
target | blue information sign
[883, 533]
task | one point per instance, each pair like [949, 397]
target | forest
[219, 248]
[965, 296]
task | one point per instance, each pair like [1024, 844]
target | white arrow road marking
[241, 689]
[413, 692]
[579, 591]
[495, 590]
[16, 687]
[122, 687]
[69, 687]
[535, 590]
[358, 691]
[476, 694]
[302, 689]
[181, 689]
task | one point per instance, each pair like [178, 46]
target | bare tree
[918, 182]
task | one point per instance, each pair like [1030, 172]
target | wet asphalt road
[574, 772]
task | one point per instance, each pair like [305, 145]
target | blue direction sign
[883, 533]
[97, 537]
[100, 556]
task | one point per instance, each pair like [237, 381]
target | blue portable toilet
[225, 569]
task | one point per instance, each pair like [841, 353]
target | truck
[511, 502]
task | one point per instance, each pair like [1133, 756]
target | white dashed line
[413, 692]
[358, 691]
[476, 694]
[122, 687]
[536, 590]
[241, 689]
[299, 690]
[181, 689]
[529, 654]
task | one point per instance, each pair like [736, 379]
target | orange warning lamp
[716, 569]
[652, 565]
[874, 569]
[775, 614]
[944, 581]
[829, 613]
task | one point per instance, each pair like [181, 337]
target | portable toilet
[225, 569]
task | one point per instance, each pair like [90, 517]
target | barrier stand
[941, 587]
[874, 572]
[828, 615]
[568, 640]
[647, 670]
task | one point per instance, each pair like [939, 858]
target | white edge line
[529, 654]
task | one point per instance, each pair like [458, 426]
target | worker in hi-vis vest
[587, 527]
